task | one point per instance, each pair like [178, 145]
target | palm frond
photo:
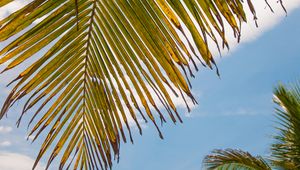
[107, 62]
[233, 159]
[5, 2]
[286, 150]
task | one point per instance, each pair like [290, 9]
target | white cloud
[241, 112]
[5, 143]
[266, 21]
[16, 161]
[5, 129]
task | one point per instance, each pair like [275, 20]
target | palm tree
[285, 152]
[98, 64]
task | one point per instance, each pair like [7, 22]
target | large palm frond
[286, 150]
[106, 61]
[233, 159]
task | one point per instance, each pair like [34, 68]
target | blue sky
[235, 111]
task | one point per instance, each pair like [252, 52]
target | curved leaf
[232, 159]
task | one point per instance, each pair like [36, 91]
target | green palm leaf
[232, 159]
[286, 150]
[107, 62]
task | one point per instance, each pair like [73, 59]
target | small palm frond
[103, 62]
[286, 150]
[233, 159]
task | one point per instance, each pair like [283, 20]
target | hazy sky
[235, 111]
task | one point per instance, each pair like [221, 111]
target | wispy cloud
[5, 129]
[241, 112]
[266, 21]
[5, 144]
[16, 161]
